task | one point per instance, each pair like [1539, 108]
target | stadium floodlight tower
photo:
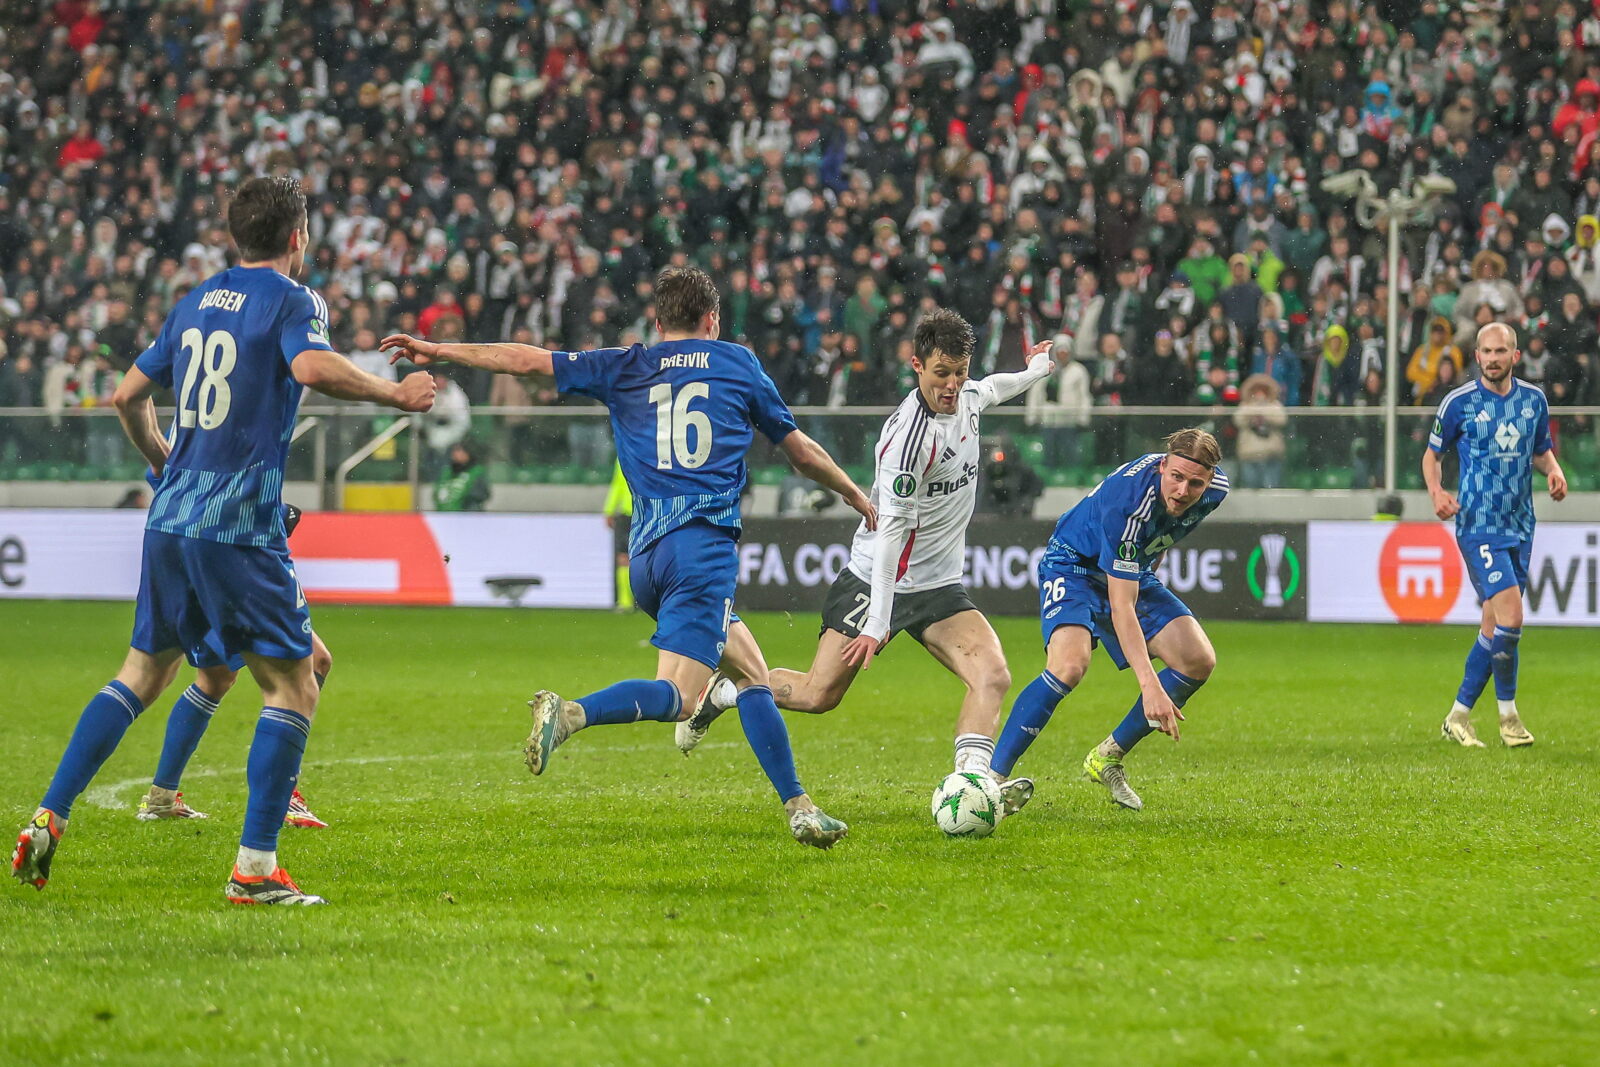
[1397, 210]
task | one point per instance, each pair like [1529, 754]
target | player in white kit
[907, 575]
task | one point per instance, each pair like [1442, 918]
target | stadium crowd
[1138, 178]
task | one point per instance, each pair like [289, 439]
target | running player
[906, 575]
[238, 349]
[216, 671]
[1097, 585]
[683, 412]
[1500, 429]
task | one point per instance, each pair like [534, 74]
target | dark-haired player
[237, 352]
[1500, 427]
[683, 412]
[215, 673]
[906, 575]
[1097, 585]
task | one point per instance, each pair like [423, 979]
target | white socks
[974, 752]
[1459, 710]
[1508, 708]
[254, 863]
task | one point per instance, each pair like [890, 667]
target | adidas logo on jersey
[1483, 416]
[949, 454]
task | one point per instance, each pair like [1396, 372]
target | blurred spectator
[1428, 359]
[447, 424]
[463, 484]
[1260, 420]
[1060, 406]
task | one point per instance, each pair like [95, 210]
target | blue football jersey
[683, 415]
[1121, 528]
[225, 351]
[1496, 438]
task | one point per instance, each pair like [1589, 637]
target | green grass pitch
[1316, 878]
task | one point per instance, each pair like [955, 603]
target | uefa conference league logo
[1271, 554]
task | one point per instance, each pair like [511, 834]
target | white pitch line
[109, 795]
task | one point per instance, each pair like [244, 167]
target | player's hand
[858, 500]
[1445, 504]
[1558, 485]
[1160, 710]
[415, 392]
[859, 652]
[1042, 349]
[406, 347]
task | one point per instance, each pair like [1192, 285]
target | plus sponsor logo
[969, 471]
[1419, 571]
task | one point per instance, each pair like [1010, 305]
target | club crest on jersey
[1507, 436]
[974, 417]
[904, 485]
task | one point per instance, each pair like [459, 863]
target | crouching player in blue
[236, 351]
[1097, 586]
[683, 413]
[1499, 426]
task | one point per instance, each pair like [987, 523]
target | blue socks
[185, 726]
[100, 728]
[1030, 714]
[1503, 656]
[631, 701]
[1477, 672]
[769, 740]
[1134, 728]
[273, 769]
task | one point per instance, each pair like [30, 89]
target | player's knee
[215, 682]
[1201, 663]
[1068, 670]
[993, 679]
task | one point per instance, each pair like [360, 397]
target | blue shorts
[217, 601]
[1495, 563]
[685, 581]
[1070, 597]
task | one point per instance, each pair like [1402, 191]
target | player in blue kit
[237, 351]
[1500, 429]
[683, 413]
[1097, 585]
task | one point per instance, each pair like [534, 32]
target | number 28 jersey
[225, 351]
[683, 414]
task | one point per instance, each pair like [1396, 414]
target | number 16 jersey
[682, 414]
[225, 351]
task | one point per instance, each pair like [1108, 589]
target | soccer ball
[967, 804]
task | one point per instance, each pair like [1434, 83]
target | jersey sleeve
[902, 460]
[1541, 428]
[592, 373]
[1446, 425]
[768, 412]
[303, 325]
[155, 362]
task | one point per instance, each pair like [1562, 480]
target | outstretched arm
[1158, 706]
[500, 357]
[1006, 385]
[333, 375]
[813, 461]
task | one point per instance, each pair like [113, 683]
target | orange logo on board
[1419, 571]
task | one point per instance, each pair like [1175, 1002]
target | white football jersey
[926, 469]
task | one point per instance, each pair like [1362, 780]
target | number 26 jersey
[225, 352]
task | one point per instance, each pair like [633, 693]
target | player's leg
[1506, 609]
[299, 814]
[824, 684]
[768, 737]
[164, 613]
[1493, 574]
[289, 704]
[1066, 662]
[187, 722]
[685, 581]
[969, 648]
[1174, 636]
